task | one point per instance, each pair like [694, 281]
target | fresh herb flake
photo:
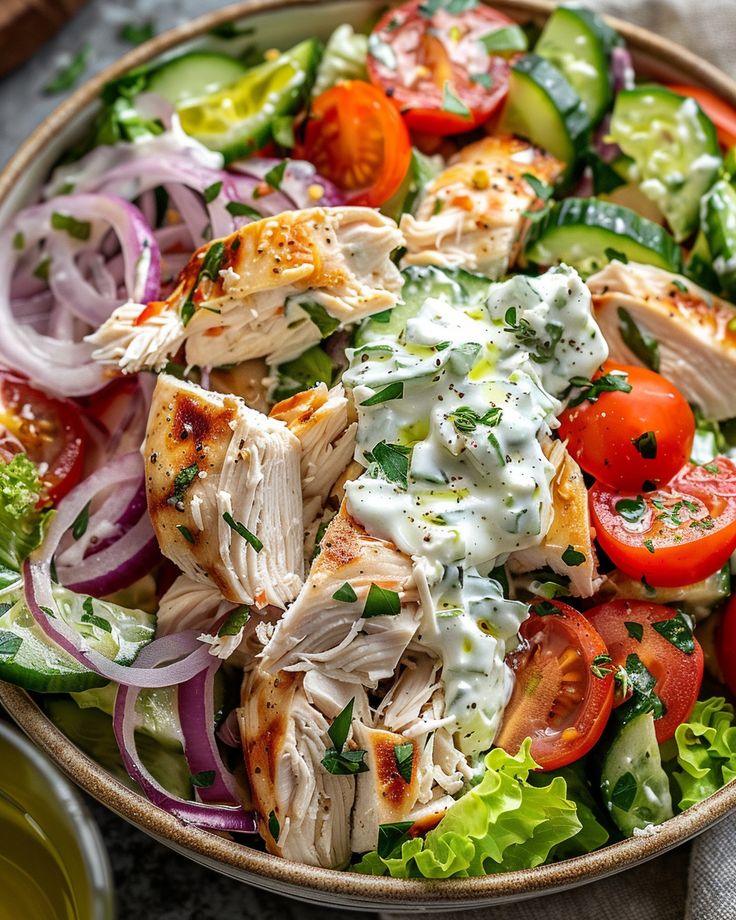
[77, 229]
[186, 533]
[392, 460]
[135, 33]
[392, 391]
[274, 828]
[391, 837]
[404, 754]
[646, 445]
[345, 594]
[612, 254]
[344, 763]
[81, 521]
[240, 209]
[600, 666]
[639, 342]
[182, 481]
[212, 191]
[452, 104]
[635, 630]
[677, 631]
[275, 176]
[9, 643]
[68, 75]
[89, 617]
[19, 241]
[573, 557]
[545, 609]
[624, 792]
[631, 509]
[242, 531]
[235, 621]
[591, 390]
[204, 779]
[643, 697]
[541, 189]
[482, 79]
[381, 602]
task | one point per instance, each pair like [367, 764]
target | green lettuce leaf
[706, 750]
[21, 523]
[501, 824]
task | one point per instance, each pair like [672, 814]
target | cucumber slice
[697, 599]
[675, 148]
[239, 118]
[194, 75]
[455, 286]
[545, 109]
[587, 234]
[700, 265]
[30, 660]
[635, 788]
[718, 219]
[578, 42]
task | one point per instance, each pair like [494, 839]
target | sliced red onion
[197, 719]
[622, 69]
[229, 731]
[300, 184]
[232, 818]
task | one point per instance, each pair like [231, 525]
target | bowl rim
[253, 866]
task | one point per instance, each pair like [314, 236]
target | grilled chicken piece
[319, 418]
[472, 213]
[333, 636]
[224, 493]
[692, 328]
[239, 298]
[570, 527]
[303, 811]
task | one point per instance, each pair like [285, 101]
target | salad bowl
[284, 23]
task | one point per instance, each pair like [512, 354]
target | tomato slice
[435, 67]
[726, 645]
[49, 430]
[627, 628]
[562, 695]
[627, 439]
[356, 138]
[720, 113]
[674, 536]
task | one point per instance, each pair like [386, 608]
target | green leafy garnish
[678, 632]
[274, 828]
[635, 630]
[77, 229]
[68, 75]
[204, 779]
[391, 836]
[493, 441]
[90, 617]
[641, 343]
[81, 521]
[9, 643]
[591, 390]
[381, 602]
[275, 176]
[467, 420]
[345, 594]
[392, 391]
[186, 533]
[643, 697]
[404, 754]
[182, 481]
[507, 38]
[212, 191]
[624, 792]
[541, 189]
[21, 522]
[452, 104]
[135, 33]
[646, 445]
[242, 531]
[392, 460]
[611, 254]
[210, 269]
[310, 368]
[545, 609]
[482, 79]
[631, 509]
[573, 557]
[235, 621]
[321, 318]
[600, 666]
[336, 759]
[241, 209]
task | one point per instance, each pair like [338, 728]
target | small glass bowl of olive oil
[53, 863]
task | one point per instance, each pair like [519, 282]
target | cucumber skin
[589, 214]
[569, 107]
[718, 209]
[179, 65]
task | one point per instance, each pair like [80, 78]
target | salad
[367, 441]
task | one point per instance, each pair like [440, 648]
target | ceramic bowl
[282, 23]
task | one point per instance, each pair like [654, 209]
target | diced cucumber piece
[543, 108]
[30, 660]
[675, 148]
[239, 119]
[193, 75]
[455, 286]
[718, 219]
[578, 42]
[635, 788]
[696, 599]
[700, 265]
[587, 233]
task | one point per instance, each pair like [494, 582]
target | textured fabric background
[691, 883]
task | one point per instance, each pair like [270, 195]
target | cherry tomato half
[434, 66]
[558, 700]
[720, 113]
[356, 138]
[636, 628]
[726, 645]
[49, 430]
[674, 536]
[627, 439]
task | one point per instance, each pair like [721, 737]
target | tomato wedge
[434, 66]
[720, 113]
[664, 644]
[563, 694]
[356, 138]
[627, 439]
[674, 536]
[726, 645]
[49, 430]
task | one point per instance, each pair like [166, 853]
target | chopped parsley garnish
[482, 79]
[41, 271]
[204, 779]
[186, 533]
[392, 460]
[381, 602]
[676, 283]
[240, 209]
[81, 521]
[321, 318]
[526, 334]
[624, 792]
[631, 509]
[452, 104]
[9, 643]
[507, 38]
[404, 754]
[68, 75]
[235, 621]
[391, 837]
[210, 269]
[212, 191]
[635, 630]
[600, 666]
[649, 546]
[345, 594]
[135, 33]
[89, 617]
[274, 828]
[572, 557]
[275, 176]
[545, 609]
[19, 241]
[541, 189]
[77, 229]
[646, 444]
[182, 481]
[493, 441]
[242, 531]
[591, 390]
[643, 697]
[610, 253]
[336, 759]
[467, 420]
[643, 345]
[392, 391]
[678, 632]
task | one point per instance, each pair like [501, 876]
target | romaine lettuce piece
[21, 521]
[706, 751]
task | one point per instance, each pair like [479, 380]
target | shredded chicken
[320, 419]
[569, 528]
[224, 493]
[693, 330]
[472, 213]
[321, 632]
[262, 291]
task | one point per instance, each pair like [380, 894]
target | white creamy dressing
[478, 483]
